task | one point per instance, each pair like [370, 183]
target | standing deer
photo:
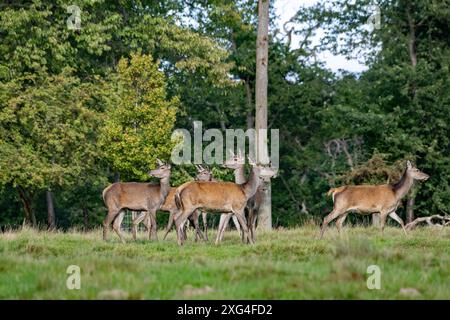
[169, 205]
[136, 196]
[216, 196]
[237, 163]
[253, 204]
[369, 199]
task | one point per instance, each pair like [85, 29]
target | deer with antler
[136, 196]
[369, 199]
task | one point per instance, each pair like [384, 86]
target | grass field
[284, 264]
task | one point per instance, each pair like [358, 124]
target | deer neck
[164, 186]
[402, 187]
[239, 175]
[251, 186]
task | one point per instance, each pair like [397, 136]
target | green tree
[47, 134]
[139, 123]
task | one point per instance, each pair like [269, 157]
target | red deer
[369, 199]
[216, 196]
[254, 202]
[237, 163]
[170, 206]
[136, 196]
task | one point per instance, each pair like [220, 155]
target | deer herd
[189, 200]
[206, 195]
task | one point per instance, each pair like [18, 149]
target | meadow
[283, 264]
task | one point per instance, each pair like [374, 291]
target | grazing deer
[136, 196]
[253, 204]
[216, 196]
[369, 199]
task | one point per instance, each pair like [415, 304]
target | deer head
[203, 174]
[163, 170]
[268, 172]
[415, 173]
[235, 161]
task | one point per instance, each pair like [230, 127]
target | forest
[84, 106]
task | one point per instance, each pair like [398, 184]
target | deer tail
[105, 191]
[178, 201]
[332, 192]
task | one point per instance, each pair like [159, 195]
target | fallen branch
[445, 221]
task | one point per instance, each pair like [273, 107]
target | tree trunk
[248, 94]
[412, 39]
[262, 62]
[376, 220]
[51, 219]
[410, 208]
[117, 177]
[85, 218]
[30, 218]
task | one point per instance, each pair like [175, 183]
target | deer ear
[159, 162]
[408, 164]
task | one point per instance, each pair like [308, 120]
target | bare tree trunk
[85, 218]
[410, 208]
[412, 39]
[30, 218]
[262, 63]
[376, 220]
[117, 177]
[51, 219]
[248, 94]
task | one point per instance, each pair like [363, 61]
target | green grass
[284, 264]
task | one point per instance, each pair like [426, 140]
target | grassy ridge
[284, 264]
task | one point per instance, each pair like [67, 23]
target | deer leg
[194, 220]
[152, 233]
[148, 222]
[179, 223]
[340, 222]
[107, 222]
[169, 224]
[224, 219]
[117, 224]
[136, 222]
[394, 216]
[241, 217]
[184, 228]
[333, 215]
[252, 223]
[205, 224]
[236, 223]
[383, 216]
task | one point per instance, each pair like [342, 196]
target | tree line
[80, 109]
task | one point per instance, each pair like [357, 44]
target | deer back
[220, 196]
[132, 195]
[366, 198]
